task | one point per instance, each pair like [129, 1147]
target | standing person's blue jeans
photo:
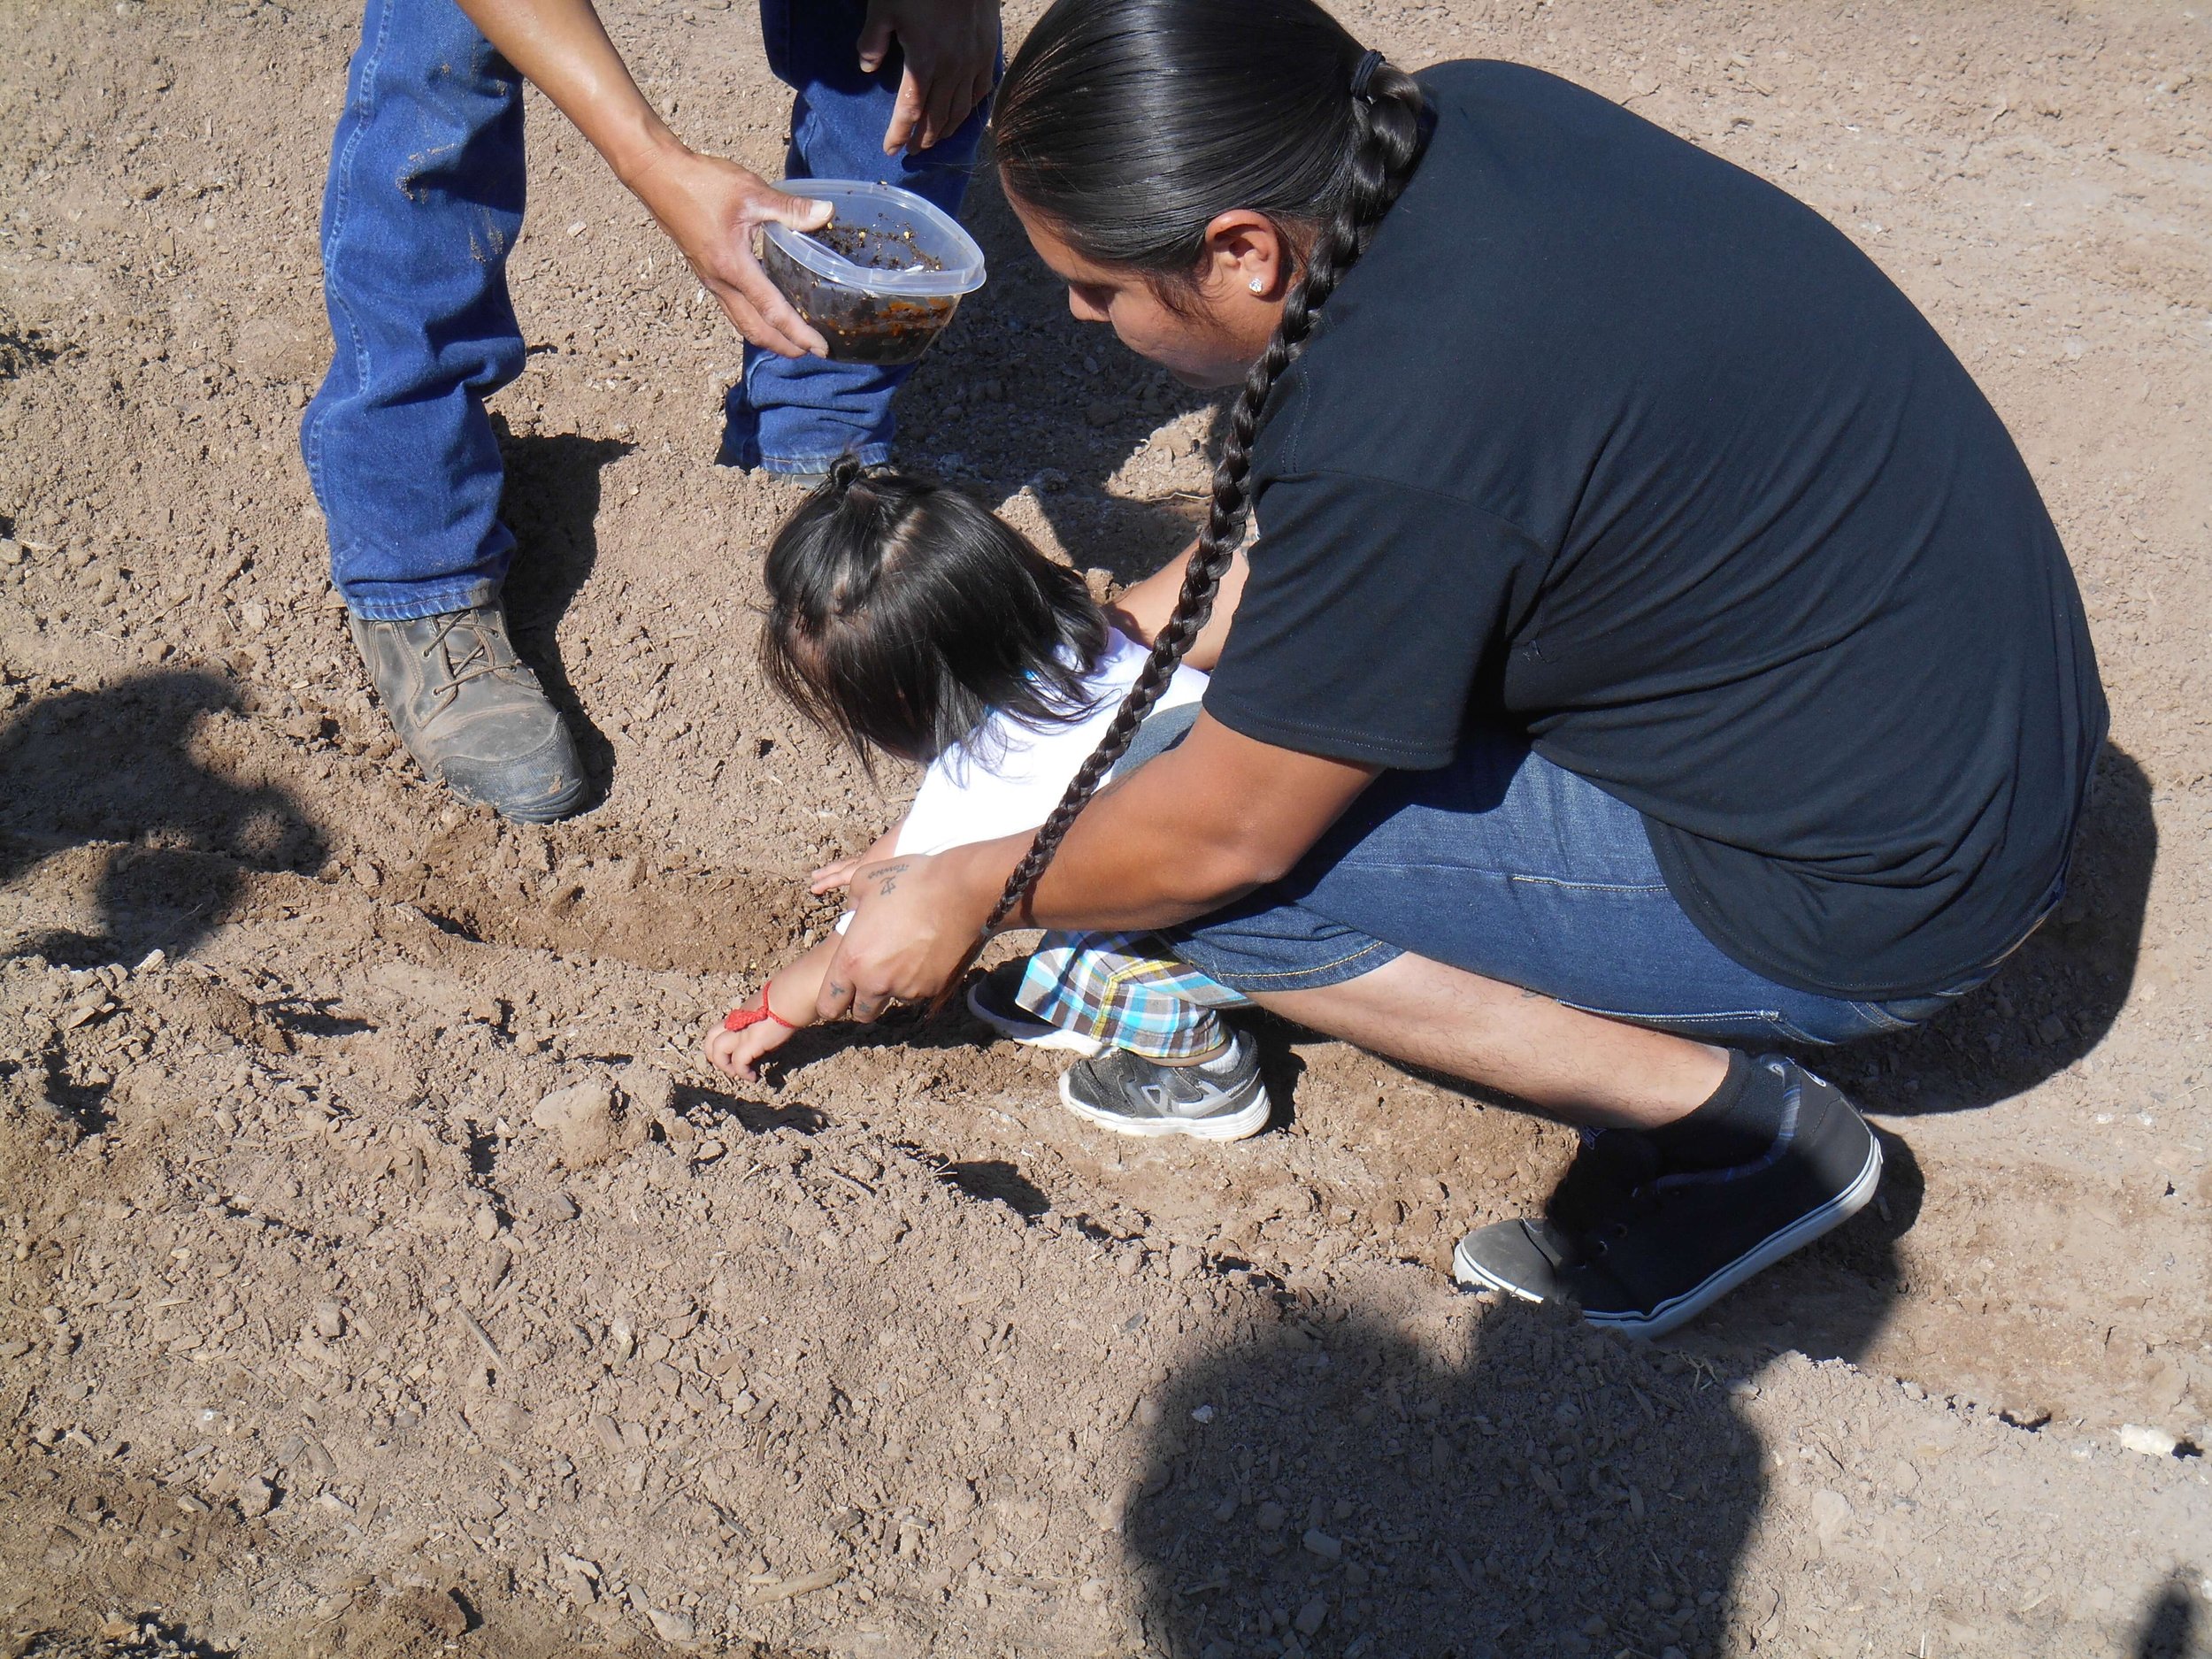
[801, 414]
[424, 203]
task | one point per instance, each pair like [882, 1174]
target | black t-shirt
[1609, 442]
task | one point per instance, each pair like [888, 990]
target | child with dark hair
[915, 623]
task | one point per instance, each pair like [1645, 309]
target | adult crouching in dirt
[1653, 649]
[423, 202]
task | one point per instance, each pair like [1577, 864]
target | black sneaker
[1133, 1095]
[991, 1000]
[1640, 1251]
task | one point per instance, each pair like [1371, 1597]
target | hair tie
[1366, 73]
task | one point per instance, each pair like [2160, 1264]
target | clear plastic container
[882, 279]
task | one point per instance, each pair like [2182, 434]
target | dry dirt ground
[311, 1342]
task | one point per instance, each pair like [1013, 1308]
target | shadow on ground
[1336, 1489]
[2053, 1001]
[1549, 1495]
[2168, 1630]
[114, 770]
[2045, 1009]
[552, 505]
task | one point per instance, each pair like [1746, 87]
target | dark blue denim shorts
[1506, 865]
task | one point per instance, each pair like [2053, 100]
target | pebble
[672, 1625]
[805, 1584]
[560, 1207]
[256, 1498]
[330, 1320]
[1320, 1543]
[1269, 1516]
[2152, 1442]
[1309, 1617]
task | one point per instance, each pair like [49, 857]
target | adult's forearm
[562, 49]
[1143, 855]
[1192, 829]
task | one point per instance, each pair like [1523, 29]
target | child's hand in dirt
[840, 872]
[738, 1053]
[830, 877]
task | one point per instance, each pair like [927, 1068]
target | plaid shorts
[1125, 990]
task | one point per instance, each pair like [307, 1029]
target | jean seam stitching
[341, 188]
[1238, 983]
[1589, 886]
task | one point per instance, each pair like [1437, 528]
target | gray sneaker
[1133, 1095]
[471, 714]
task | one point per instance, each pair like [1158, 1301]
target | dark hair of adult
[901, 613]
[1129, 125]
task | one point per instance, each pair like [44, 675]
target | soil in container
[860, 326]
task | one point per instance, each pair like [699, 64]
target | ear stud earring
[1257, 286]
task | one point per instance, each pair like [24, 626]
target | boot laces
[479, 658]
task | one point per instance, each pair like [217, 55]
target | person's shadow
[551, 504]
[113, 770]
[1335, 1489]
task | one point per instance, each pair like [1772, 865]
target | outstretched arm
[791, 992]
[1203, 823]
[708, 206]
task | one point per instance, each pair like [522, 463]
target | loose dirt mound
[316, 1339]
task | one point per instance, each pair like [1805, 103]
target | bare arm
[792, 992]
[710, 207]
[1203, 823]
[1143, 607]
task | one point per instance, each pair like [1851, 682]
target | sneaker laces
[479, 660]
[1611, 1177]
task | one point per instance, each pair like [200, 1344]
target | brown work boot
[471, 714]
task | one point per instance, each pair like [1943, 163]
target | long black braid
[1385, 144]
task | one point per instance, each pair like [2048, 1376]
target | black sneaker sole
[1679, 1310]
[1030, 1031]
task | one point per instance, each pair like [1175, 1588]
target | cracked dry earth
[314, 1341]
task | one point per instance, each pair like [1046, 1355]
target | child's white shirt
[1010, 776]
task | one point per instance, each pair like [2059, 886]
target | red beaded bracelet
[739, 1018]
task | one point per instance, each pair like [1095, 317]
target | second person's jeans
[425, 203]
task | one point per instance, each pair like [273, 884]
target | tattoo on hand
[887, 877]
[836, 989]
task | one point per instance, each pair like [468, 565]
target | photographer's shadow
[114, 769]
[1335, 1488]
